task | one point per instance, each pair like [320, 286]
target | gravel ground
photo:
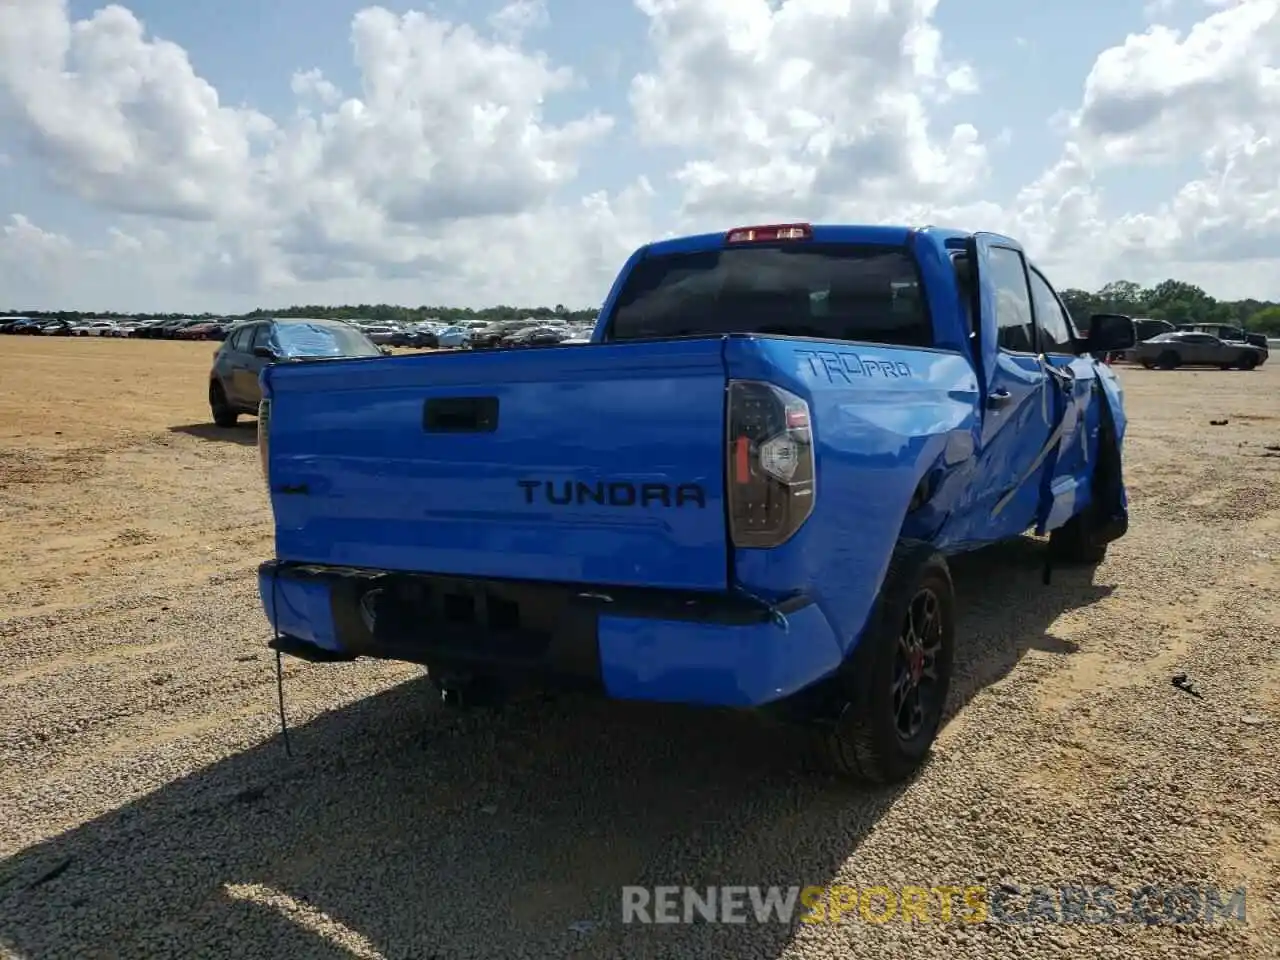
[149, 809]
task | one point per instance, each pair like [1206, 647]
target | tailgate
[600, 464]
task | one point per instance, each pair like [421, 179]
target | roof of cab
[887, 234]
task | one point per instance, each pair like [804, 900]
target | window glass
[1051, 319]
[1014, 328]
[299, 338]
[831, 291]
[240, 339]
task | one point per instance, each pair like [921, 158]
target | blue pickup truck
[741, 493]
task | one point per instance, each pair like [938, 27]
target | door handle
[998, 397]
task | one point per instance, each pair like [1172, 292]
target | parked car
[542, 335]
[202, 330]
[124, 328]
[54, 328]
[1259, 341]
[454, 337]
[379, 333]
[492, 334]
[94, 328]
[1184, 348]
[402, 337]
[1232, 334]
[251, 346]
[180, 330]
[15, 324]
[158, 330]
[745, 500]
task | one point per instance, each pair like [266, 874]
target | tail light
[264, 431]
[770, 464]
[770, 234]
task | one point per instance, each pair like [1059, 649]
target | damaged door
[1071, 387]
[1018, 414]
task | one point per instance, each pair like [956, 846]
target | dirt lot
[149, 808]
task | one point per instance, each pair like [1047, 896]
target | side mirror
[385, 351]
[266, 353]
[1110, 333]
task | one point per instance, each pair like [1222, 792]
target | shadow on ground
[403, 829]
[245, 432]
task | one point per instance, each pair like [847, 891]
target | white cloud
[122, 120]
[444, 149]
[1163, 97]
[1160, 94]
[311, 85]
[805, 105]
[449, 172]
[519, 18]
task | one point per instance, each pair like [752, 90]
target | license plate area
[495, 626]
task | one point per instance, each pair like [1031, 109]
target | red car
[198, 331]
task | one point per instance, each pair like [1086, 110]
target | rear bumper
[631, 644]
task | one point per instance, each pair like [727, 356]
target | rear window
[323, 340]
[831, 291]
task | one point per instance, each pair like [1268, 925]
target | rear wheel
[1168, 360]
[223, 414]
[888, 699]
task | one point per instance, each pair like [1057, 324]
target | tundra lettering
[562, 493]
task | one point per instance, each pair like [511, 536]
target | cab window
[1052, 322]
[1015, 330]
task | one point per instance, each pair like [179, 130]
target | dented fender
[888, 422]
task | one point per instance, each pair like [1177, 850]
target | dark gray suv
[250, 346]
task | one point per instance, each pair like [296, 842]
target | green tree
[1265, 321]
[1120, 296]
[1079, 303]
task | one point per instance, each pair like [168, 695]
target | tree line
[1171, 300]
[1174, 301]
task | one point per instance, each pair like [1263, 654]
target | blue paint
[300, 609]
[384, 493]
[707, 663]
[888, 422]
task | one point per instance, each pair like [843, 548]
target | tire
[1225, 366]
[1147, 364]
[861, 737]
[1248, 362]
[1168, 360]
[223, 414]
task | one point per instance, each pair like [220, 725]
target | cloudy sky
[223, 154]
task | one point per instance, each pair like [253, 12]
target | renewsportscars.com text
[971, 904]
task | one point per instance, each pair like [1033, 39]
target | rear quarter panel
[885, 419]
